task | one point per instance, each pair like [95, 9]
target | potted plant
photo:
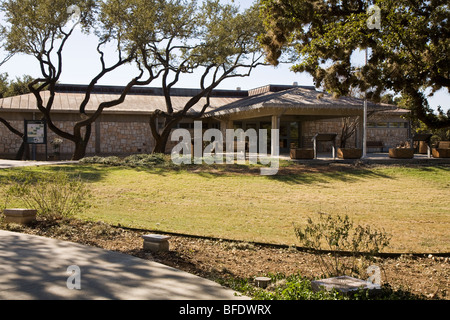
[402, 151]
[56, 144]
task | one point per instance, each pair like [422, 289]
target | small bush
[111, 161]
[293, 287]
[136, 160]
[55, 196]
[144, 160]
[338, 235]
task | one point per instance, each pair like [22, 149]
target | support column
[360, 132]
[275, 143]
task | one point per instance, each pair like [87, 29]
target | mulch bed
[426, 276]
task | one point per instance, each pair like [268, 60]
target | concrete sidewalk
[35, 268]
[4, 164]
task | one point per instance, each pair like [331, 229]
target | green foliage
[293, 287]
[144, 160]
[55, 195]
[409, 52]
[18, 86]
[32, 24]
[137, 160]
[297, 287]
[338, 234]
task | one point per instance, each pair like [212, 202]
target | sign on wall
[35, 132]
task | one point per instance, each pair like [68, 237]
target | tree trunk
[161, 139]
[23, 153]
[80, 150]
[161, 142]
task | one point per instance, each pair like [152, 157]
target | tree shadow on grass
[292, 174]
[327, 174]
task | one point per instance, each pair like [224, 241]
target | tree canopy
[175, 38]
[165, 39]
[409, 50]
[41, 29]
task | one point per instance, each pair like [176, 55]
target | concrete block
[156, 242]
[262, 282]
[344, 284]
[20, 216]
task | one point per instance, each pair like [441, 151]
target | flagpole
[364, 152]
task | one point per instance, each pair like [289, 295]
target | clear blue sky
[81, 64]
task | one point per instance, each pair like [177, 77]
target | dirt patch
[217, 259]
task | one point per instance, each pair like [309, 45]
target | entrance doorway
[289, 136]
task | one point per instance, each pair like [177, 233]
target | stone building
[298, 111]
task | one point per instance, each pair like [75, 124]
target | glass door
[289, 136]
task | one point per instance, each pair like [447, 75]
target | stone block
[20, 216]
[156, 242]
[343, 284]
[262, 282]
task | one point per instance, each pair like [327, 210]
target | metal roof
[222, 102]
[296, 98]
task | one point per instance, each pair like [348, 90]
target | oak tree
[42, 29]
[409, 47]
[180, 38]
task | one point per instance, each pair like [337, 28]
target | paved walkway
[35, 268]
[16, 163]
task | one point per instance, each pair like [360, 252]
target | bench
[375, 145]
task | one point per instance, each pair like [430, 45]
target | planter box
[442, 150]
[349, 153]
[302, 153]
[401, 153]
[440, 153]
[20, 216]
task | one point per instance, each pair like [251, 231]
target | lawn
[410, 203]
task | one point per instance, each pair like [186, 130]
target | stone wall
[111, 135]
[126, 134]
[125, 137]
[390, 137]
[9, 142]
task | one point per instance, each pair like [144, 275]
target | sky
[81, 63]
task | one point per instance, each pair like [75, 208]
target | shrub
[55, 196]
[144, 160]
[293, 287]
[136, 160]
[338, 235]
[111, 161]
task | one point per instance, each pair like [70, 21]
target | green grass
[412, 204]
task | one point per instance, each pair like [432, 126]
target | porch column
[360, 133]
[224, 125]
[275, 143]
